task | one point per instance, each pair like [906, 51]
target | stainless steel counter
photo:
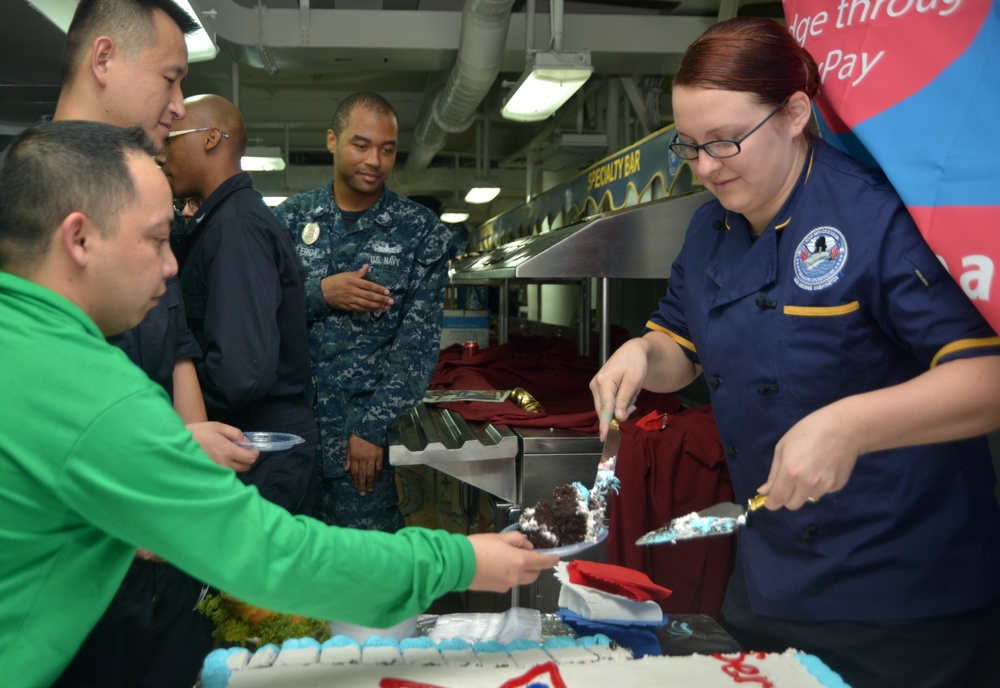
[518, 465]
[551, 457]
[479, 454]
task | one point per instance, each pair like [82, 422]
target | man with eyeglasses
[242, 286]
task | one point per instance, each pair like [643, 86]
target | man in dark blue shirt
[242, 286]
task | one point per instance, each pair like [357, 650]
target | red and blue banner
[914, 86]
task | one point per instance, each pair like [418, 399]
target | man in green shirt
[94, 462]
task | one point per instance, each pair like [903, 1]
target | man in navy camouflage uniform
[376, 267]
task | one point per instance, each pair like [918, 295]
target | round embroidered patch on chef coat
[310, 233]
[820, 258]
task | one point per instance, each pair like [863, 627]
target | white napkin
[591, 603]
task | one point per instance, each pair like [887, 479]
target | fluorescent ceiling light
[262, 159]
[272, 201]
[200, 45]
[550, 78]
[482, 191]
[453, 217]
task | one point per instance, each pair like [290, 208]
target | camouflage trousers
[339, 503]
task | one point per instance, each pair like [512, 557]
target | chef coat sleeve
[669, 317]
[919, 304]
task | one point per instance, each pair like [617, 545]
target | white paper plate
[567, 550]
[270, 441]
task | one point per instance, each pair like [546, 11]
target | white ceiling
[287, 63]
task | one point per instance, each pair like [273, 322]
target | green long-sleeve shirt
[94, 463]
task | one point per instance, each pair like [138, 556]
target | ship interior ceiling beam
[429, 40]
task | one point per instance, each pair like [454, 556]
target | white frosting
[693, 525]
[494, 659]
[346, 654]
[463, 657]
[528, 524]
[529, 658]
[787, 670]
[422, 656]
[596, 497]
[308, 655]
[263, 657]
[381, 655]
[571, 655]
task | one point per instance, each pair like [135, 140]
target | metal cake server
[609, 455]
[721, 519]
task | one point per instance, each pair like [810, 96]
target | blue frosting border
[821, 672]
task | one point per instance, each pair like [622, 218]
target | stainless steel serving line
[639, 241]
[520, 466]
[479, 454]
[636, 242]
[514, 466]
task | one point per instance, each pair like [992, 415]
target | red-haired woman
[851, 379]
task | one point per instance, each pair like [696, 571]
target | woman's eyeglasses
[720, 148]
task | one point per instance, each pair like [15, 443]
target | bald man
[242, 286]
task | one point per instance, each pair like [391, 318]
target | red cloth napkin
[654, 421]
[616, 580]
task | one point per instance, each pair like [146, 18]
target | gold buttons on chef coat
[310, 233]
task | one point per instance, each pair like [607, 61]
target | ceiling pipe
[480, 52]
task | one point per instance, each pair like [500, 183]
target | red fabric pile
[548, 368]
[666, 470]
[664, 474]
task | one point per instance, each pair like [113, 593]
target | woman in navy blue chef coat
[851, 379]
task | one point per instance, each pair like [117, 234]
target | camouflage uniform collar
[380, 213]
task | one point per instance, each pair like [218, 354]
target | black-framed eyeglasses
[720, 148]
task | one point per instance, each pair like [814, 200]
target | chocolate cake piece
[570, 514]
[564, 522]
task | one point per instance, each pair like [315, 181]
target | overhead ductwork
[453, 109]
